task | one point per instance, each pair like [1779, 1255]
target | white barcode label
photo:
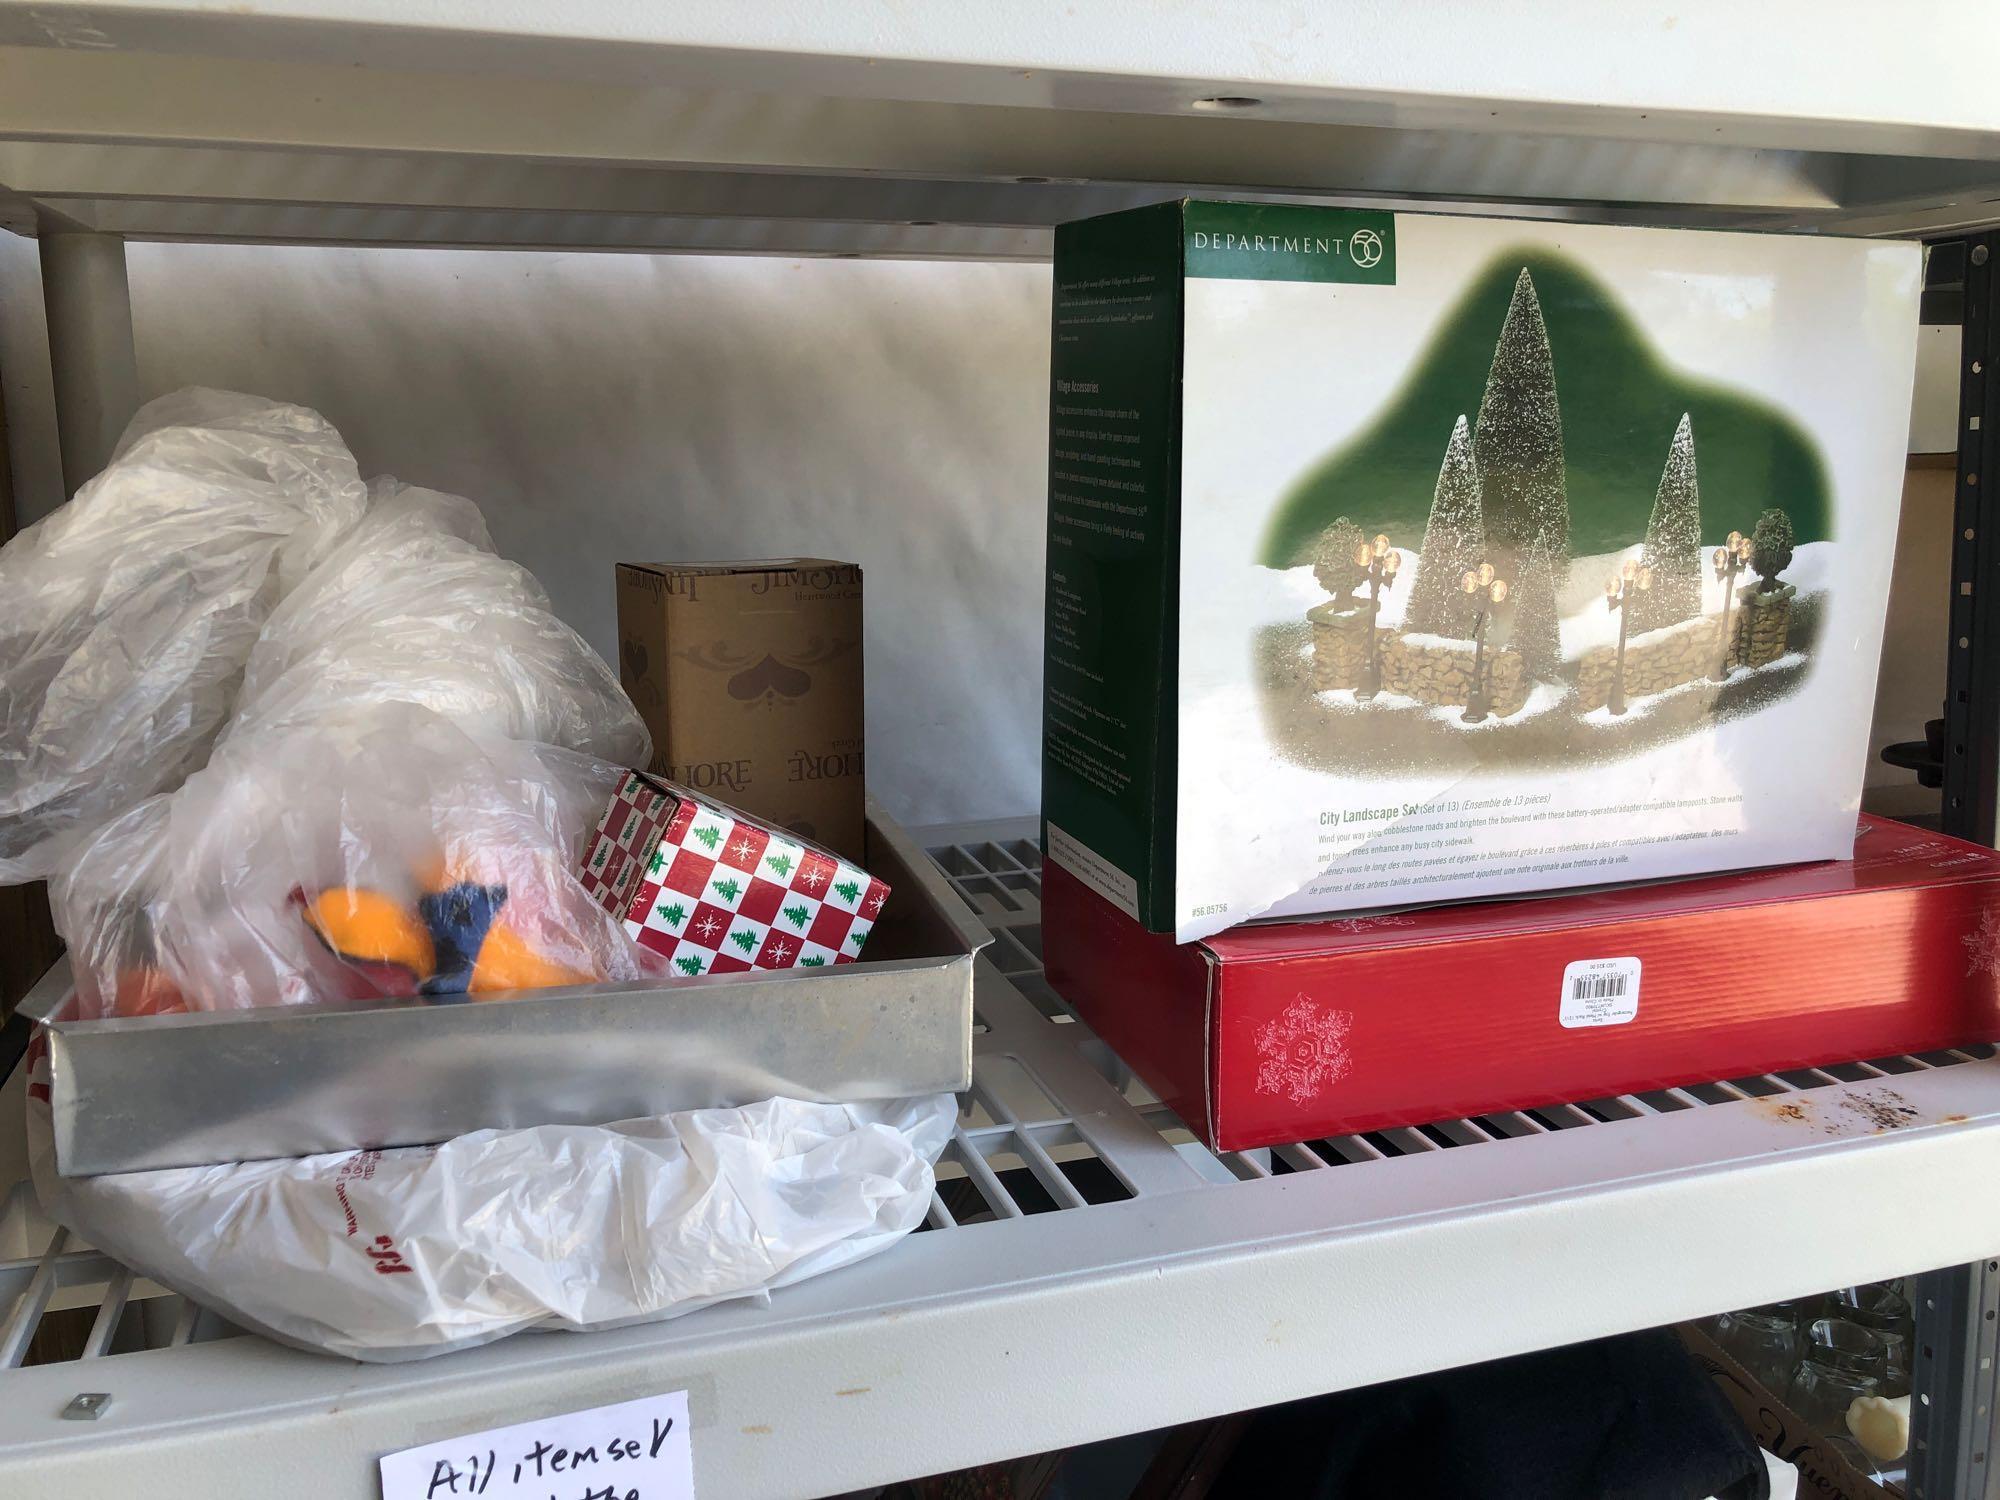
[1600, 992]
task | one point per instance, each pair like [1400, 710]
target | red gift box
[714, 891]
[1298, 1030]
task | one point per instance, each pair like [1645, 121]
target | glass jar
[1841, 1360]
[1765, 1341]
[1884, 1312]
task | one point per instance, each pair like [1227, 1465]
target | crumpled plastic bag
[127, 615]
[381, 851]
[276, 738]
[396, 1255]
[414, 606]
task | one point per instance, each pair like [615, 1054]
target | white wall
[622, 407]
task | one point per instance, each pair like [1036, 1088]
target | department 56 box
[1399, 557]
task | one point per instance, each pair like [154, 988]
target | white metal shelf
[961, 128]
[1089, 1270]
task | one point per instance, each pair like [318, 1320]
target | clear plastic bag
[403, 744]
[127, 615]
[414, 606]
[396, 1255]
[377, 851]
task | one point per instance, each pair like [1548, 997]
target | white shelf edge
[338, 123]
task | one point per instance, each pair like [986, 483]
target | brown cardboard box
[1823, 1471]
[749, 676]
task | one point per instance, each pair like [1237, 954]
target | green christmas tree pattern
[849, 890]
[782, 863]
[812, 963]
[672, 913]
[797, 915]
[727, 888]
[1536, 631]
[1454, 540]
[747, 941]
[690, 965]
[1524, 493]
[1673, 540]
[658, 862]
[709, 837]
[857, 938]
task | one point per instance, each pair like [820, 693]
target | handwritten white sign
[636, 1450]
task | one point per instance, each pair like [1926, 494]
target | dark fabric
[1630, 1418]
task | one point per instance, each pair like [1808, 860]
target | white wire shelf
[963, 129]
[1087, 1270]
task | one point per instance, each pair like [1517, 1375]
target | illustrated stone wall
[1654, 662]
[1440, 672]
[1340, 645]
[1762, 626]
[1431, 671]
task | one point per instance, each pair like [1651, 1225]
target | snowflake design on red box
[1303, 1050]
[716, 892]
[1982, 946]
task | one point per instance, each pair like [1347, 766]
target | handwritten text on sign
[636, 1450]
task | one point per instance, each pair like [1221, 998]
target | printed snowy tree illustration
[1333, 560]
[689, 965]
[811, 962]
[747, 941]
[1537, 633]
[658, 862]
[709, 837]
[850, 890]
[673, 913]
[726, 888]
[782, 863]
[1454, 540]
[798, 915]
[1519, 436]
[857, 938]
[1673, 541]
[1771, 549]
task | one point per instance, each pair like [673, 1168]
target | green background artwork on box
[1620, 402]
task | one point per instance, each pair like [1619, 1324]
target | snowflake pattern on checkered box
[718, 893]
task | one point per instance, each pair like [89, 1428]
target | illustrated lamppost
[1630, 580]
[1379, 561]
[1729, 560]
[1487, 594]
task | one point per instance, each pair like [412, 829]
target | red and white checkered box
[718, 892]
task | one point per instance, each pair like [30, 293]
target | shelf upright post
[1952, 1381]
[1955, 1369]
[92, 361]
[1972, 672]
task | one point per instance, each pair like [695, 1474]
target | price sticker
[1600, 992]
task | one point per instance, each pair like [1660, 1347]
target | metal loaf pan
[192, 1090]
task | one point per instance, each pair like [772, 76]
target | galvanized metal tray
[192, 1090]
